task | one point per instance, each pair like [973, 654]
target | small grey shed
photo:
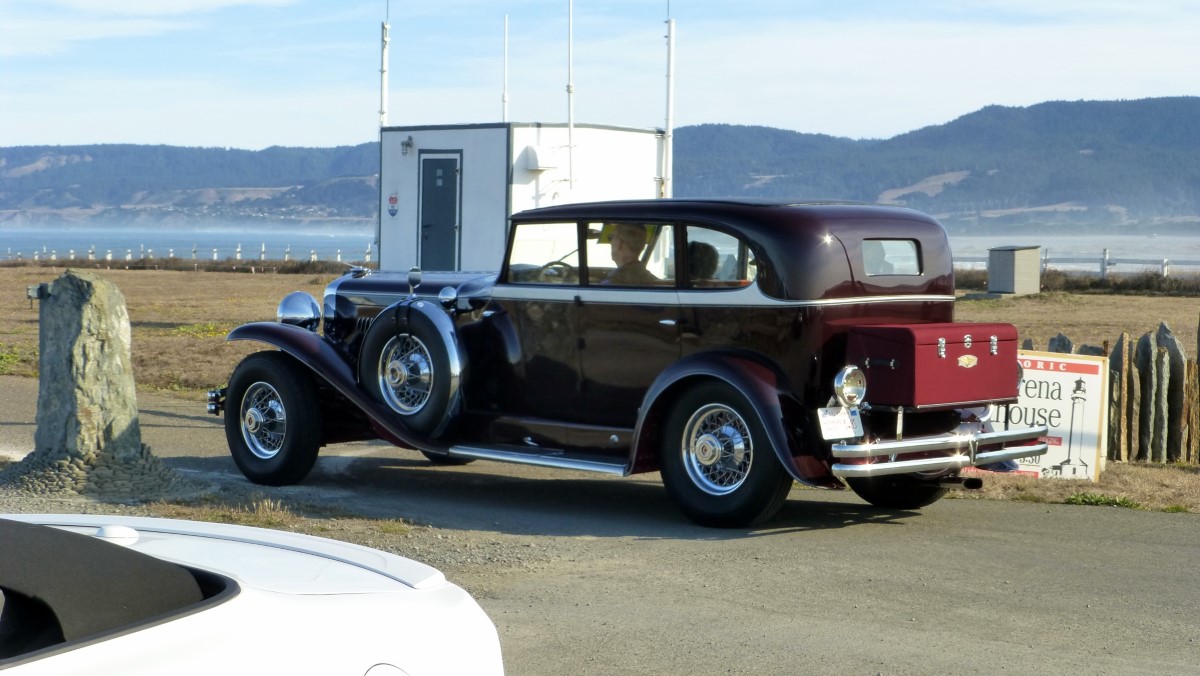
[1014, 269]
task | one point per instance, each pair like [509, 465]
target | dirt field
[180, 319]
[1088, 319]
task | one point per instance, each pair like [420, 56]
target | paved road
[598, 575]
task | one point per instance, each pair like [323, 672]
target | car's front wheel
[897, 491]
[272, 419]
[717, 464]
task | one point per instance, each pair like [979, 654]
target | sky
[258, 73]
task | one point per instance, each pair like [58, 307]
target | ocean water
[351, 244]
[271, 242]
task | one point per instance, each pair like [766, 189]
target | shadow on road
[527, 501]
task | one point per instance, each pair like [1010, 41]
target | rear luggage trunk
[924, 366]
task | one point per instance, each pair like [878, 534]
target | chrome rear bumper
[962, 450]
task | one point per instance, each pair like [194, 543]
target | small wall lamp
[406, 145]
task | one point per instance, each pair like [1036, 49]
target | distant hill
[1099, 164]
[169, 184]
[1096, 163]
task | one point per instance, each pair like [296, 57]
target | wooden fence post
[1133, 410]
[1190, 412]
[1124, 447]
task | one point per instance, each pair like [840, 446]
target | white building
[446, 192]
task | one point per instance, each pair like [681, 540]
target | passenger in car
[628, 242]
[702, 263]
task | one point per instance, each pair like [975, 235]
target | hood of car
[269, 560]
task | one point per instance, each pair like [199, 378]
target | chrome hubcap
[264, 420]
[717, 449]
[405, 374]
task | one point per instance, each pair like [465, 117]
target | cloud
[48, 27]
[144, 8]
[244, 73]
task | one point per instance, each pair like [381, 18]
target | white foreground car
[129, 595]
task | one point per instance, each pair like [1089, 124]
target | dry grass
[1164, 488]
[178, 319]
[1089, 318]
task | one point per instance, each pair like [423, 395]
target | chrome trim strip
[538, 460]
[746, 296]
[929, 464]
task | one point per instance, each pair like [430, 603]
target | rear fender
[318, 354]
[769, 395]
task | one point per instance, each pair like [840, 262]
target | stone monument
[87, 441]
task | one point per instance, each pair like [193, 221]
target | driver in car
[628, 241]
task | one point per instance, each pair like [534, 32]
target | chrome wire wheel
[405, 374]
[717, 449]
[264, 420]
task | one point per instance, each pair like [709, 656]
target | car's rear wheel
[717, 464]
[272, 419]
[898, 491]
[408, 370]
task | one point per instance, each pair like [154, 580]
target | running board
[541, 459]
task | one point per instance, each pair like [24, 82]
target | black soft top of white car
[60, 586]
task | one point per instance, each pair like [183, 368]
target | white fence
[1097, 265]
[196, 254]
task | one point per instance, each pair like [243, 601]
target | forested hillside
[1102, 164]
[1058, 163]
[135, 182]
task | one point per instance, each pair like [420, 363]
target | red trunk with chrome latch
[936, 365]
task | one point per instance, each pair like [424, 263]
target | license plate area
[839, 422]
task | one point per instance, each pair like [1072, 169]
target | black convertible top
[63, 586]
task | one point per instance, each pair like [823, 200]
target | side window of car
[544, 253]
[891, 257]
[717, 260]
[630, 254]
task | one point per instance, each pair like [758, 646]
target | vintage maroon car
[734, 346]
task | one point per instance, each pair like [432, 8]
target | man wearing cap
[628, 241]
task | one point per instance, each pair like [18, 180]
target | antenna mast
[383, 73]
[504, 96]
[668, 134]
[570, 95]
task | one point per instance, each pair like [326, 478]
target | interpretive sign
[1069, 394]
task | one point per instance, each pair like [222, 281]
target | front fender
[762, 385]
[317, 353]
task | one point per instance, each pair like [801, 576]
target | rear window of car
[891, 257]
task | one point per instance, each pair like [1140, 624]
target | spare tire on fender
[406, 363]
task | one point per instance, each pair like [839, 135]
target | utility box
[446, 192]
[1015, 269]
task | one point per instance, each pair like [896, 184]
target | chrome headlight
[299, 309]
[850, 386]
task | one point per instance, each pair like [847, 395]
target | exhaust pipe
[970, 483]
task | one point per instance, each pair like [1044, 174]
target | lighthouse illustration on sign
[1073, 467]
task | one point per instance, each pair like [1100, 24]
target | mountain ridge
[1057, 164]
